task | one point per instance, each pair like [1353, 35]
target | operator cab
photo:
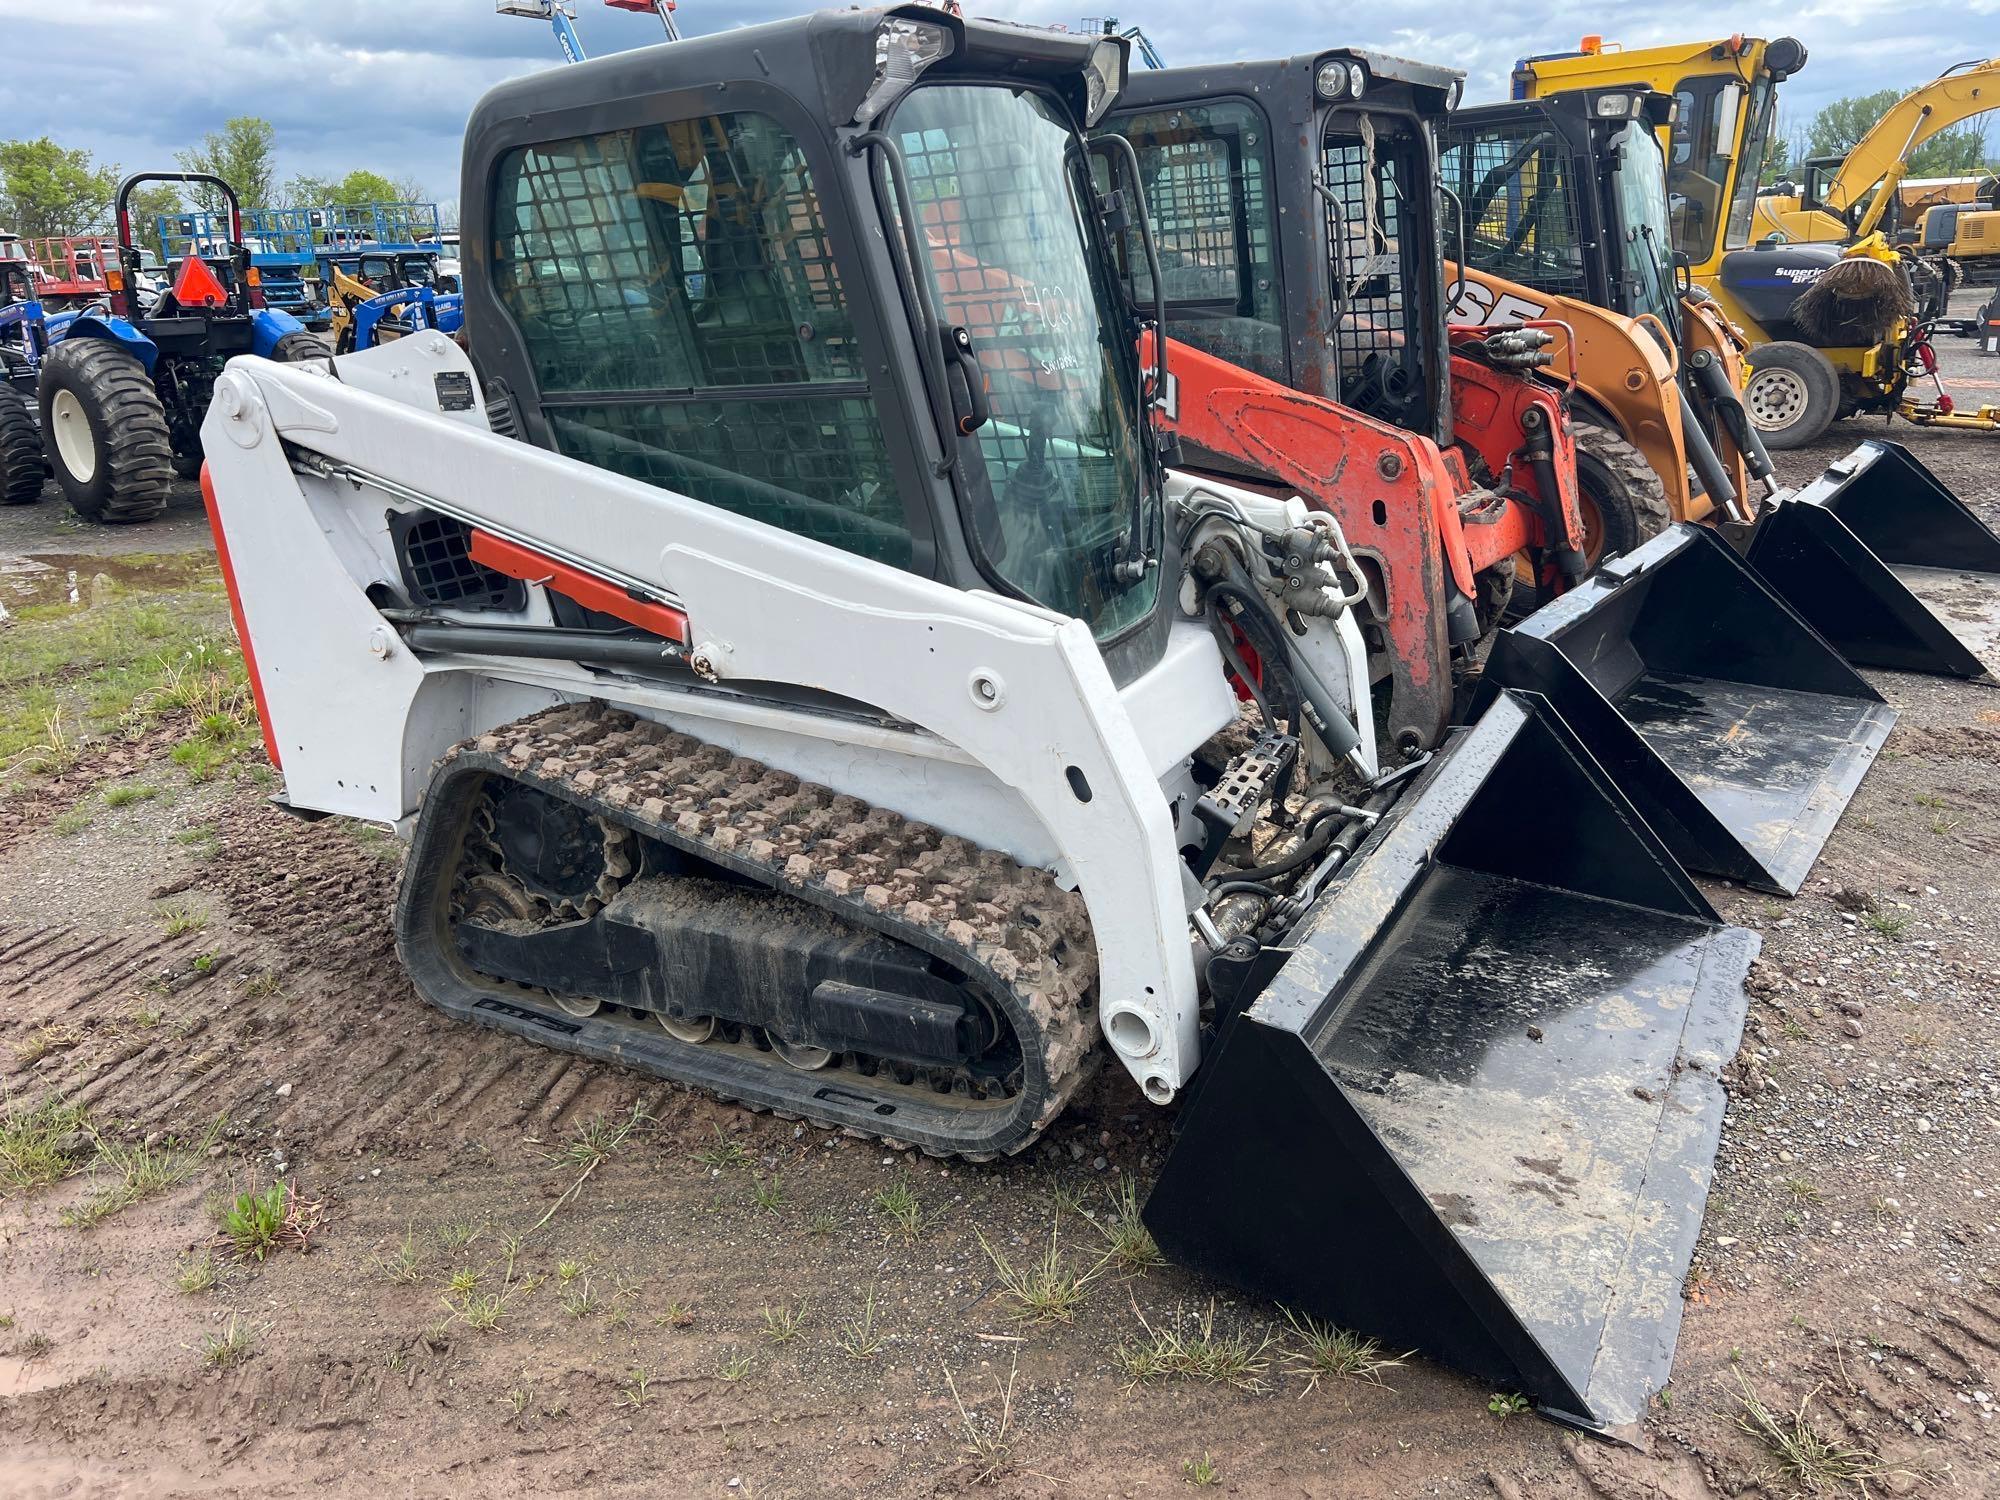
[1232, 223]
[859, 288]
[1540, 184]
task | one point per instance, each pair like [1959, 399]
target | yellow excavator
[1835, 331]
[1840, 199]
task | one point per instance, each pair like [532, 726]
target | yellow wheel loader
[1834, 332]
[804, 672]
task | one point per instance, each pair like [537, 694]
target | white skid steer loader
[823, 692]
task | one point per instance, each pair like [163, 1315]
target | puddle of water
[83, 579]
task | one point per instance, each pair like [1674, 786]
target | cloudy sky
[387, 84]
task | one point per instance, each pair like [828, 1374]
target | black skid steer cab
[827, 696]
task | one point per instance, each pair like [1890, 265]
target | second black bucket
[1732, 724]
[1887, 564]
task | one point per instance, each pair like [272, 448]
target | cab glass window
[1206, 171]
[1520, 210]
[685, 321]
[1703, 145]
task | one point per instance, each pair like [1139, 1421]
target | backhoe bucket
[1729, 721]
[1888, 565]
[1475, 1112]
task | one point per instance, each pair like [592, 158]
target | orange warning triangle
[195, 285]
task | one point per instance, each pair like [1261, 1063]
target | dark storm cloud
[387, 84]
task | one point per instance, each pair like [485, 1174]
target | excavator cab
[804, 673]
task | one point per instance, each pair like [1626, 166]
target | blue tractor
[125, 385]
[23, 340]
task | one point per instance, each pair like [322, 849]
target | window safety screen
[1378, 307]
[1520, 215]
[686, 325]
[1207, 177]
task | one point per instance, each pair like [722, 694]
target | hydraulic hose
[1274, 649]
[1540, 449]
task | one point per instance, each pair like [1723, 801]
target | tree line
[48, 189]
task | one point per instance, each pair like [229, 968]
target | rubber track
[140, 453]
[975, 908]
[21, 468]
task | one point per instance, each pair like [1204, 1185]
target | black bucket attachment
[1735, 728]
[1888, 565]
[1475, 1112]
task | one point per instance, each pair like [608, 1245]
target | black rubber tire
[132, 472]
[1614, 476]
[297, 348]
[1792, 395]
[22, 467]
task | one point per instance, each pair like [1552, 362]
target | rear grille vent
[435, 554]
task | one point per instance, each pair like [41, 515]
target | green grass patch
[155, 644]
[131, 1174]
[36, 1148]
[69, 824]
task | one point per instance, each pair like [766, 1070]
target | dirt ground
[513, 1288]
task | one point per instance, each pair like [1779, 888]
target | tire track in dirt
[301, 985]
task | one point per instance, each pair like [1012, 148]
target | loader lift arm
[1881, 158]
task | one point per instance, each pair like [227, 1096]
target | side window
[1206, 171]
[1513, 182]
[1704, 141]
[1377, 269]
[1683, 117]
[685, 321]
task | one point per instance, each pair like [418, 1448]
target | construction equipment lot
[506, 1270]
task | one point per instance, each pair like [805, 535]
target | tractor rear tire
[1792, 395]
[297, 348]
[105, 432]
[22, 468]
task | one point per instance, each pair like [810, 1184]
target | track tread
[976, 907]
